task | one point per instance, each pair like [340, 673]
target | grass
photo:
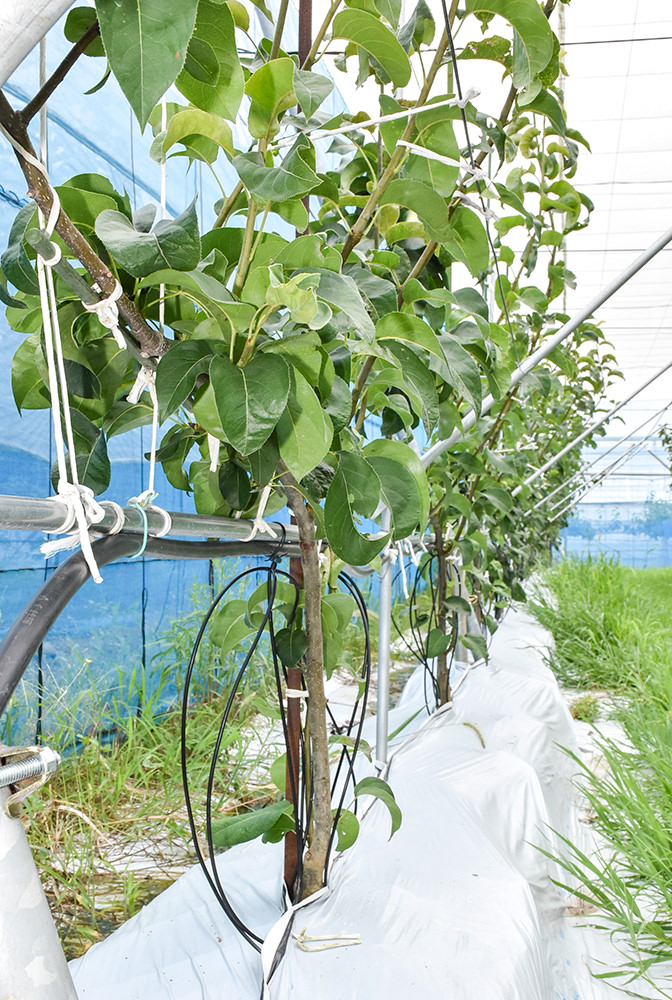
[613, 630]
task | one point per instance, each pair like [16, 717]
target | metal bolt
[46, 761]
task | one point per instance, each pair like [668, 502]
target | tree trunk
[319, 779]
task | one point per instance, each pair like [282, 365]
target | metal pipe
[31, 514]
[589, 430]
[599, 479]
[542, 352]
[384, 640]
[658, 459]
[33, 963]
[600, 457]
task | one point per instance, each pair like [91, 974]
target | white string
[452, 102]
[107, 312]
[162, 287]
[259, 526]
[402, 567]
[146, 379]
[213, 451]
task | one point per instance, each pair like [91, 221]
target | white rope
[452, 102]
[259, 526]
[162, 287]
[107, 312]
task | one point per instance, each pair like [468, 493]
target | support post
[33, 963]
[384, 638]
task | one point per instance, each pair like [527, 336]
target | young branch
[151, 342]
[397, 158]
[59, 74]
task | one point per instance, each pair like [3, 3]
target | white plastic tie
[277, 935]
[167, 520]
[107, 312]
[259, 526]
[296, 693]
[325, 942]
[469, 96]
[55, 257]
[119, 516]
[213, 450]
[485, 210]
[476, 172]
[146, 379]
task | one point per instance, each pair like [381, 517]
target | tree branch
[59, 74]
[152, 343]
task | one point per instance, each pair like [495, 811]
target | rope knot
[107, 312]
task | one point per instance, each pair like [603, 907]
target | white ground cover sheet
[459, 904]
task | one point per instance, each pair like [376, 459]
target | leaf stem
[246, 251]
[228, 205]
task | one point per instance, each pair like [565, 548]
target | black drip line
[344, 770]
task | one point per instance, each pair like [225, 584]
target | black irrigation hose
[25, 635]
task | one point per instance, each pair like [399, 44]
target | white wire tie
[107, 312]
[167, 520]
[55, 257]
[119, 516]
[259, 526]
[213, 450]
[296, 693]
[146, 379]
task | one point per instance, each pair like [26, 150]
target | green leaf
[341, 292]
[477, 645]
[297, 294]
[293, 177]
[278, 772]
[354, 488]
[311, 88]
[146, 46]
[419, 29]
[83, 206]
[309, 252]
[437, 643]
[406, 327]
[230, 625]
[420, 380]
[178, 370]
[215, 29]
[231, 830]
[78, 21]
[467, 240]
[291, 644]
[28, 376]
[429, 206]
[371, 34]
[271, 91]
[194, 121]
[545, 104]
[381, 790]
[249, 400]
[305, 431]
[81, 381]
[125, 416]
[347, 829]
[463, 371]
[93, 464]
[458, 604]
[409, 468]
[15, 263]
[533, 38]
[172, 243]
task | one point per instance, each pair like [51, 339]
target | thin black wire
[211, 874]
[472, 162]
